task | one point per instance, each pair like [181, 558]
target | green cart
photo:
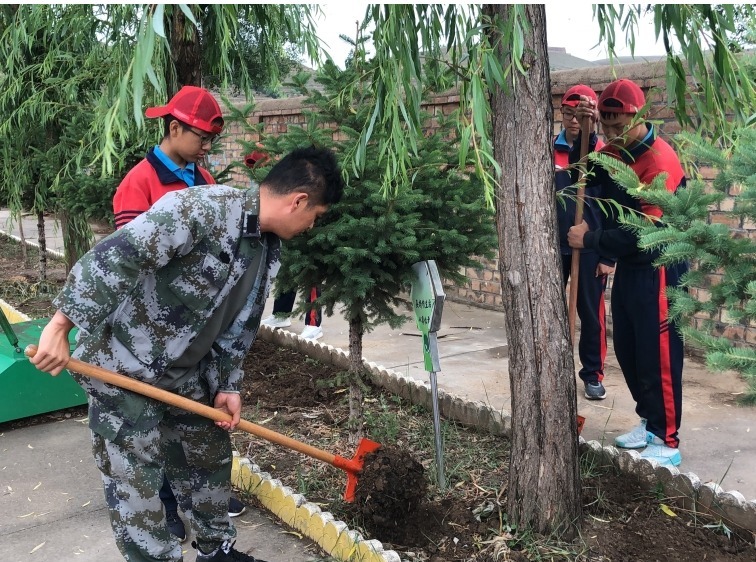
[25, 391]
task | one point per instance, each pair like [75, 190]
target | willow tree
[77, 77]
[491, 54]
[496, 55]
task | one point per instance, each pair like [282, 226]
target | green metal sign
[428, 304]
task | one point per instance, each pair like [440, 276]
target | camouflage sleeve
[112, 269]
[225, 372]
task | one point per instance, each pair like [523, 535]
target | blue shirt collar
[561, 142]
[185, 174]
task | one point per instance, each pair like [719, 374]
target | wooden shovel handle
[585, 134]
[150, 391]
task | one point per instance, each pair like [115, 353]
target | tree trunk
[355, 380]
[24, 249]
[544, 481]
[186, 52]
[42, 241]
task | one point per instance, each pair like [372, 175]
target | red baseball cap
[622, 96]
[572, 96]
[193, 106]
[256, 158]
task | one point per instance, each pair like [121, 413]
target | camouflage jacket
[142, 294]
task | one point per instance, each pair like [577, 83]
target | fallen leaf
[665, 508]
[298, 535]
[36, 548]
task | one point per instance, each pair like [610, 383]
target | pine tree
[361, 251]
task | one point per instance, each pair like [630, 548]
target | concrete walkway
[52, 506]
[717, 435]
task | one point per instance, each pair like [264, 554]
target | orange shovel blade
[580, 423]
[364, 447]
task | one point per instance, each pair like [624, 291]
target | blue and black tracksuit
[591, 308]
[648, 347]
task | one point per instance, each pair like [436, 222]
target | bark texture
[356, 332]
[544, 482]
[42, 241]
[186, 51]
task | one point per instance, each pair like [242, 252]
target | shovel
[352, 466]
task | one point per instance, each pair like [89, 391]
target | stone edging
[334, 537]
[32, 243]
[14, 316]
[686, 488]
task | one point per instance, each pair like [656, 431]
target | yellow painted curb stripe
[14, 316]
[334, 537]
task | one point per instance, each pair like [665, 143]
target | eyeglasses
[204, 139]
[569, 115]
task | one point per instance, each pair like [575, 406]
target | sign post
[427, 296]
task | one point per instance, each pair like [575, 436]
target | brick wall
[483, 285]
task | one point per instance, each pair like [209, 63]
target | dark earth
[295, 395]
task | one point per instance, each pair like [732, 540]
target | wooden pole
[351, 466]
[585, 134]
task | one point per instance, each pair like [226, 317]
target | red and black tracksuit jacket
[649, 348]
[147, 182]
[591, 307]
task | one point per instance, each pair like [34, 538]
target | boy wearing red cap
[648, 346]
[594, 269]
[193, 120]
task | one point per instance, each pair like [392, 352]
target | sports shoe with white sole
[311, 333]
[235, 507]
[273, 321]
[595, 391]
[636, 438]
[662, 453]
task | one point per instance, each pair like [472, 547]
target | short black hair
[167, 124]
[311, 170]
[611, 102]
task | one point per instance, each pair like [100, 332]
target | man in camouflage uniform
[174, 299]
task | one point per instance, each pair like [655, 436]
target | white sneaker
[661, 452]
[275, 322]
[311, 333]
[636, 438]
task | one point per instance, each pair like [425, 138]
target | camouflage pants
[193, 453]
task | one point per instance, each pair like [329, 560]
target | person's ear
[300, 200]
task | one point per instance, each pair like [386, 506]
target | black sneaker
[235, 507]
[595, 391]
[176, 525]
[225, 553]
